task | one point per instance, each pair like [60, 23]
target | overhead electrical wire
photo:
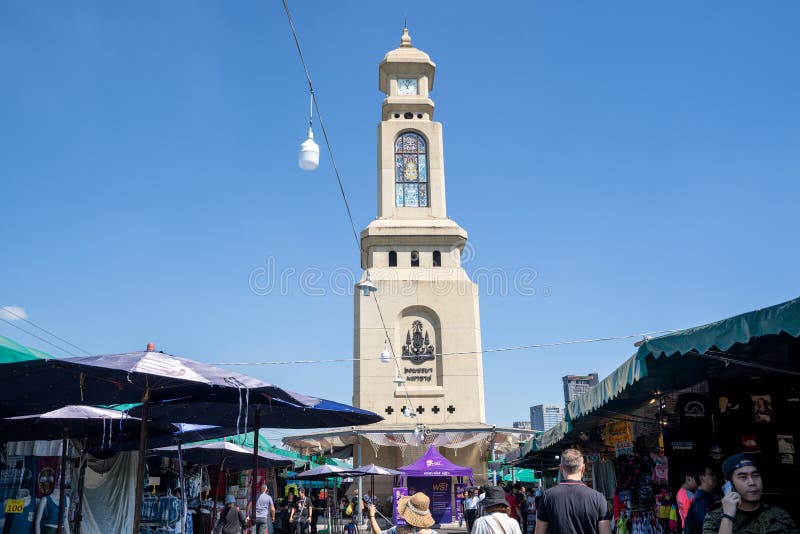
[338, 176]
[7, 309]
[464, 353]
[62, 349]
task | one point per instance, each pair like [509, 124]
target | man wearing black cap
[572, 507]
[742, 510]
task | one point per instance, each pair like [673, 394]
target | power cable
[38, 337]
[336, 169]
[322, 125]
[8, 309]
[461, 353]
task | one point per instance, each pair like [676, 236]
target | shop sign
[682, 445]
[715, 452]
[624, 448]
[15, 506]
[617, 432]
[592, 458]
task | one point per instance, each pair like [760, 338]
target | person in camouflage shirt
[742, 511]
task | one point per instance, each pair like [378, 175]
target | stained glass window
[411, 171]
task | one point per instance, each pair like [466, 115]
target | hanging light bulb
[367, 286]
[399, 379]
[309, 150]
[386, 357]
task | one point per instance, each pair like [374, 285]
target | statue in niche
[418, 346]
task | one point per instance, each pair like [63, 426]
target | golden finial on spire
[405, 41]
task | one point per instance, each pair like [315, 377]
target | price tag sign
[624, 449]
[14, 506]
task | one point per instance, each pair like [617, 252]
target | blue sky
[642, 157]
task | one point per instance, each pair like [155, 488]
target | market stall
[432, 474]
[697, 395]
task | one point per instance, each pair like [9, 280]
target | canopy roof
[433, 464]
[452, 435]
[760, 342]
[216, 452]
[731, 340]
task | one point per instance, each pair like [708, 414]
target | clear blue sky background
[642, 157]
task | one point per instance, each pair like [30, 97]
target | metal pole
[253, 490]
[183, 487]
[79, 506]
[360, 495]
[494, 471]
[137, 506]
[220, 477]
[62, 483]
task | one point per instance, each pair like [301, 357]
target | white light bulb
[386, 357]
[309, 153]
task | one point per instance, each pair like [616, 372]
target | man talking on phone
[742, 510]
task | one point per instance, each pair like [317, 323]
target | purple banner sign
[397, 494]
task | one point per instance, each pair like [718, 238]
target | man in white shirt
[496, 520]
[471, 508]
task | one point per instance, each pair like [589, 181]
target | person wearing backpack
[231, 520]
[703, 499]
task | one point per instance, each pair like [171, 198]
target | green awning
[248, 439]
[11, 351]
[717, 339]
[765, 340]
[521, 475]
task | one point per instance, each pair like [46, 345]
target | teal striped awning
[767, 338]
[718, 337]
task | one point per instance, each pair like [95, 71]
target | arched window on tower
[392, 258]
[411, 171]
[414, 258]
[437, 258]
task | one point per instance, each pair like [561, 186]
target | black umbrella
[177, 389]
[224, 454]
[372, 471]
[233, 456]
[74, 422]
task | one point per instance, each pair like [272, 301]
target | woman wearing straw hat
[415, 509]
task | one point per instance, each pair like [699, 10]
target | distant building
[546, 416]
[522, 425]
[577, 385]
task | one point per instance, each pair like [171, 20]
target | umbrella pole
[62, 483]
[137, 506]
[79, 507]
[183, 487]
[253, 491]
[216, 492]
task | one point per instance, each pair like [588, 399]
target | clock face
[407, 86]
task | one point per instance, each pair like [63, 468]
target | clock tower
[425, 310]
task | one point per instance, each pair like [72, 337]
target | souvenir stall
[432, 474]
[697, 395]
[212, 471]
